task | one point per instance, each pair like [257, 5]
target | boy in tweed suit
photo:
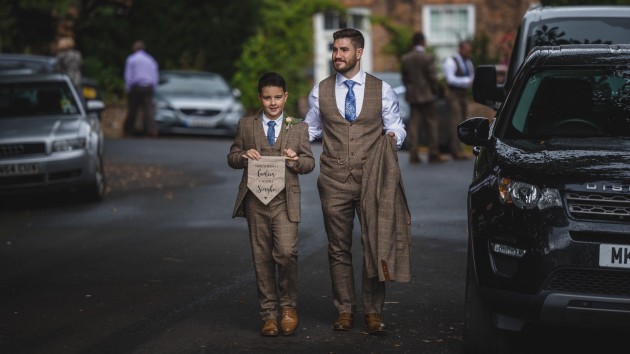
[273, 227]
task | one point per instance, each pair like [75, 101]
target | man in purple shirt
[141, 78]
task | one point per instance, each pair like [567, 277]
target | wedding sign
[265, 177]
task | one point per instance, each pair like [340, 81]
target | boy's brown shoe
[270, 328]
[343, 322]
[375, 324]
[288, 321]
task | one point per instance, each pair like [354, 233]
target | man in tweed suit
[350, 111]
[273, 227]
[421, 90]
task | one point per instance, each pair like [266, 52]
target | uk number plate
[201, 123]
[614, 256]
[18, 169]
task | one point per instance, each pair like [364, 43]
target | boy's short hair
[356, 37]
[272, 79]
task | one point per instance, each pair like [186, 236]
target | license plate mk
[18, 169]
[615, 256]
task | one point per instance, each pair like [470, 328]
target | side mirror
[95, 105]
[474, 131]
[485, 88]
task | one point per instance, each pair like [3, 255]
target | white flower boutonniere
[289, 121]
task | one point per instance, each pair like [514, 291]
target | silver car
[50, 138]
[196, 102]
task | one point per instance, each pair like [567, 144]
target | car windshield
[20, 99]
[573, 103]
[578, 31]
[193, 86]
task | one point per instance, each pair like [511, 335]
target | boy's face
[272, 99]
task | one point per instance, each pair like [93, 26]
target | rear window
[578, 31]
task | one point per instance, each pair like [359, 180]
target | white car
[50, 138]
[196, 102]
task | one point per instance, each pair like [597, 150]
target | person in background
[351, 112]
[273, 227]
[459, 73]
[141, 78]
[421, 91]
[69, 60]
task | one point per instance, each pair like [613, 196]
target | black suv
[549, 202]
[557, 25]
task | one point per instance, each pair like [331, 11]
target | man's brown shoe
[343, 322]
[288, 320]
[437, 158]
[270, 328]
[374, 324]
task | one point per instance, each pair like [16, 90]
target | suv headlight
[69, 145]
[527, 196]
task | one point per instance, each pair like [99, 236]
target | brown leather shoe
[414, 159]
[270, 328]
[288, 321]
[374, 324]
[343, 322]
[437, 158]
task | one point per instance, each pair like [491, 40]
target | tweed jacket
[345, 145]
[385, 217]
[419, 76]
[250, 135]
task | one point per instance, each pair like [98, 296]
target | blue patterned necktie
[351, 108]
[271, 132]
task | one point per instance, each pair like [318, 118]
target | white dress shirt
[450, 68]
[390, 114]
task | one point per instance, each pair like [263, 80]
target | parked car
[394, 79]
[549, 201]
[50, 138]
[34, 64]
[196, 102]
[557, 25]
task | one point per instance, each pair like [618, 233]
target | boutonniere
[289, 121]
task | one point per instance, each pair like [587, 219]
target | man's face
[465, 50]
[272, 99]
[344, 55]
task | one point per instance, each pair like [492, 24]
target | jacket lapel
[258, 132]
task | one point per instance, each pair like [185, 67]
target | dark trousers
[140, 97]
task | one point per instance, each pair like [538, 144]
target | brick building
[444, 23]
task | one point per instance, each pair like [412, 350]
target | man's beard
[350, 65]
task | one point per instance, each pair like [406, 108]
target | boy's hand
[290, 154]
[251, 154]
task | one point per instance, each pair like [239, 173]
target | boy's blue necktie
[271, 133]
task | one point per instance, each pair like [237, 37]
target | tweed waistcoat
[346, 145]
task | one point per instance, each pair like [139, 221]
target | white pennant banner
[265, 177]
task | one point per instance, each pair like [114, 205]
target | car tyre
[95, 191]
[480, 335]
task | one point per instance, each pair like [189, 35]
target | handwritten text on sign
[265, 177]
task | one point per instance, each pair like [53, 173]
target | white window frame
[323, 42]
[446, 45]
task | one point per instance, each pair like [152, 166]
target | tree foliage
[282, 43]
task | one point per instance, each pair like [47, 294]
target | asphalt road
[161, 267]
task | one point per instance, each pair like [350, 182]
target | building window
[445, 25]
[334, 21]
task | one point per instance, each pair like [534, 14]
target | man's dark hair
[272, 79]
[418, 38]
[356, 37]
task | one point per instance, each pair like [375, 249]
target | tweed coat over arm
[385, 217]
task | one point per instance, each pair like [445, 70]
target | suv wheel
[481, 336]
